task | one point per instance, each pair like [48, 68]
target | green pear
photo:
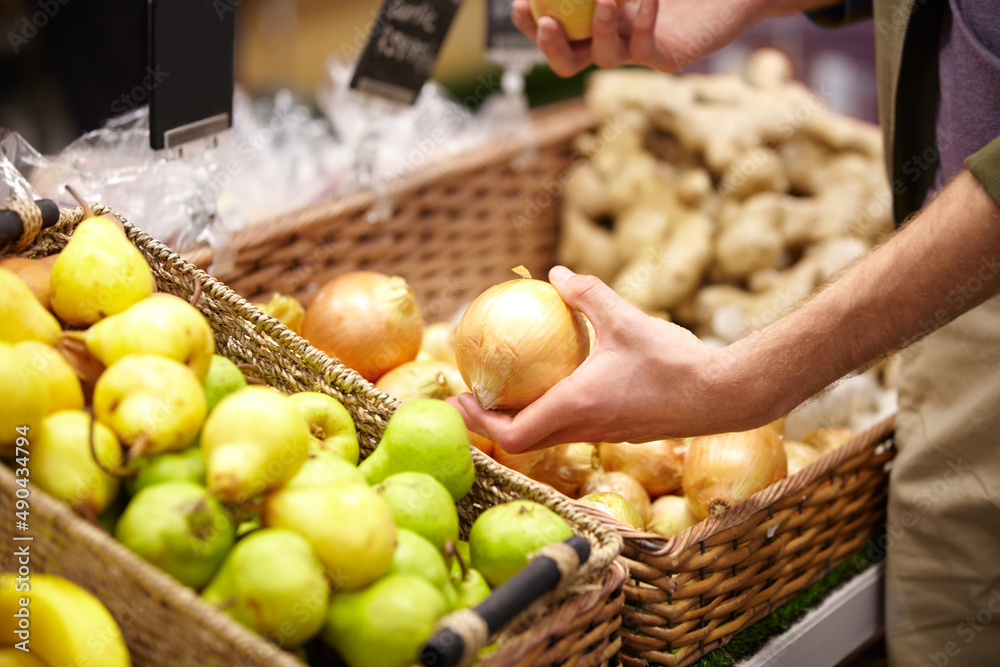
[152, 403]
[63, 463]
[414, 554]
[22, 316]
[470, 589]
[503, 536]
[422, 504]
[162, 324]
[349, 526]
[65, 390]
[426, 435]
[330, 424]
[24, 397]
[223, 378]
[386, 623]
[324, 467]
[273, 583]
[180, 528]
[253, 441]
[98, 273]
[187, 465]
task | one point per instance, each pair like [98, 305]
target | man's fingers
[606, 45]
[642, 45]
[565, 59]
[522, 18]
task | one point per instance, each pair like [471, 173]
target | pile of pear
[254, 498]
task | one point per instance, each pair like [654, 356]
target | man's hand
[646, 378]
[665, 36]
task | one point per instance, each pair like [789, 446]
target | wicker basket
[693, 592]
[458, 228]
[165, 623]
[459, 225]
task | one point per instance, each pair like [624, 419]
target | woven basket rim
[659, 546]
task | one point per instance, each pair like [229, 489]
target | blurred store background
[68, 65]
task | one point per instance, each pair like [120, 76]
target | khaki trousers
[943, 523]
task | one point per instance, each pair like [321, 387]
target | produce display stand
[165, 623]
[458, 227]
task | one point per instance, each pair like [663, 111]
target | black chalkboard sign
[190, 69]
[501, 35]
[403, 47]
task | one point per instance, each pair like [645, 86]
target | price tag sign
[403, 47]
[501, 35]
[190, 69]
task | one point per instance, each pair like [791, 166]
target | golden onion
[428, 378]
[670, 515]
[614, 506]
[368, 320]
[657, 465]
[564, 467]
[725, 469]
[626, 486]
[516, 340]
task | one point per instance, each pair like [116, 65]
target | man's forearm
[941, 264]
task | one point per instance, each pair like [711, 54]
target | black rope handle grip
[464, 632]
[12, 225]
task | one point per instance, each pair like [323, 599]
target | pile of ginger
[720, 201]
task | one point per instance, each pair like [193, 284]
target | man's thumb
[587, 294]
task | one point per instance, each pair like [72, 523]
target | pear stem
[451, 551]
[250, 367]
[87, 211]
[112, 472]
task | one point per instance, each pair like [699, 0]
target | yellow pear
[153, 404]
[163, 324]
[63, 463]
[254, 440]
[24, 399]
[22, 316]
[98, 273]
[65, 390]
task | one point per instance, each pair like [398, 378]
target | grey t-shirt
[968, 115]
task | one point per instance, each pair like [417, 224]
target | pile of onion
[369, 321]
[725, 469]
[516, 340]
[657, 465]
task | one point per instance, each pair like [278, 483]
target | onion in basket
[516, 340]
[563, 467]
[368, 320]
[657, 465]
[725, 469]
[626, 486]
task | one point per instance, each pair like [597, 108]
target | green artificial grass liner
[751, 640]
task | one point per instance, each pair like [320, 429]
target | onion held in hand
[725, 469]
[516, 341]
[368, 320]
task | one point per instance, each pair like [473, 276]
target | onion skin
[657, 465]
[564, 467]
[626, 486]
[516, 340]
[428, 378]
[368, 320]
[438, 342]
[614, 506]
[725, 469]
[670, 515]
